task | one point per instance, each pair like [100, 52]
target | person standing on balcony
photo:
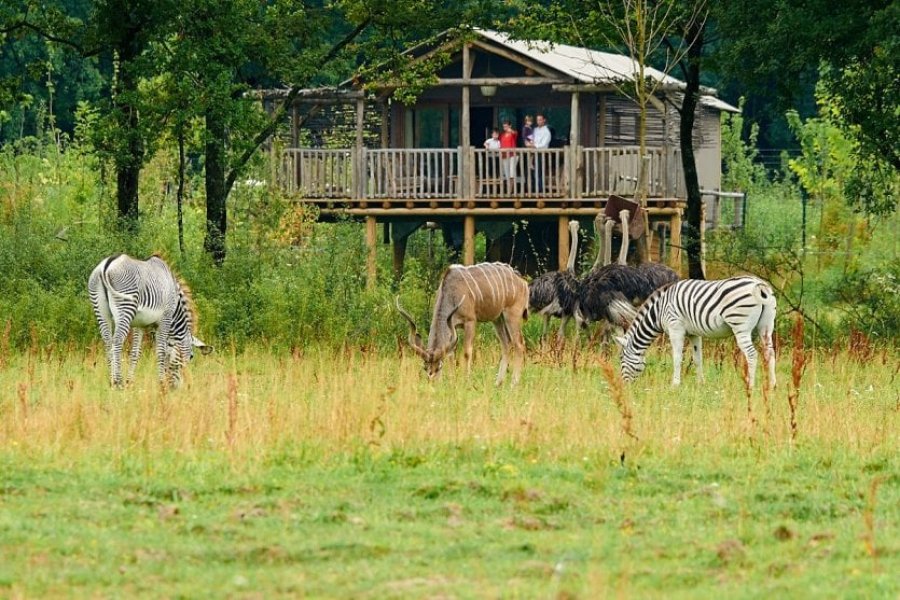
[542, 139]
[493, 142]
[490, 161]
[508, 158]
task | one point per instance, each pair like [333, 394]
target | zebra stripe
[698, 309]
[128, 294]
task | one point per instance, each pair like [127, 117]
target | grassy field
[347, 474]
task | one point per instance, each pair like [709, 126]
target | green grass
[348, 475]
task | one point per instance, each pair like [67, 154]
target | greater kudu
[469, 295]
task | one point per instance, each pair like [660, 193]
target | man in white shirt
[542, 138]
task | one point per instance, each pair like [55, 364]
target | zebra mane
[651, 300]
[188, 300]
[183, 289]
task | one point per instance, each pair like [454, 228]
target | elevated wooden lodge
[425, 162]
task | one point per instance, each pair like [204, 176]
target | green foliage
[741, 169]
[870, 298]
[826, 159]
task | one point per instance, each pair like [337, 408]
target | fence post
[371, 247]
[740, 202]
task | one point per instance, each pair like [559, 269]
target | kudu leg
[513, 322]
[503, 336]
[469, 344]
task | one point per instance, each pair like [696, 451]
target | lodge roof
[592, 67]
[581, 66]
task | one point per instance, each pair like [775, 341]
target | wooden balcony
[475, 181]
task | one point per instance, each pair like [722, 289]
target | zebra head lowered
[134, 295]
[467, 296]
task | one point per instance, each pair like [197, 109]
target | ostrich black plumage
[611, 282]
[556, 293]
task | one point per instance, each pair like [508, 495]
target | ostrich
[604, 252]
[555, 293]
[608, 291]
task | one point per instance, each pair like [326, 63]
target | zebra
[129, 294]
[698, 309]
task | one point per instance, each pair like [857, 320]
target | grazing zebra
[136, 294]
[698, 309]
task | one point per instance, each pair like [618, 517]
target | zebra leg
[162, 350]
[764, 328]
[745, 343]
[769, 355]
[697, 347]
[123, 324]
[137, 336]
[676, 338]
[104, 319]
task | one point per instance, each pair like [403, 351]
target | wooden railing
[616, 170]
[438, 174]
[319, 173]
[412, 173]
[520, 173]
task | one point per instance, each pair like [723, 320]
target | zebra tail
[764, 294]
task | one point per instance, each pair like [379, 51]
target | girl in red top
[508, 160]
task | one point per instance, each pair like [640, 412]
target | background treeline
[126, 126]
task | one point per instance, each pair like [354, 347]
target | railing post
[361, 173]
[471, 179]
[460, 173]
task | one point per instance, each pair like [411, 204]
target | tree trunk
[216, 193]
[689, 163]
[131, 156]
[179, 197]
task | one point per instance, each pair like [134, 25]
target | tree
[119, 32]
[643, 28]
[227, 50]
[852, 48]
[694, 35]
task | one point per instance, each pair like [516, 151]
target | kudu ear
[453, 312]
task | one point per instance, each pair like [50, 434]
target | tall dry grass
[59, 406]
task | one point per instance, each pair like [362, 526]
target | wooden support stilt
[399, 248]
[469, 240]
[563, 252]
[371, 246]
